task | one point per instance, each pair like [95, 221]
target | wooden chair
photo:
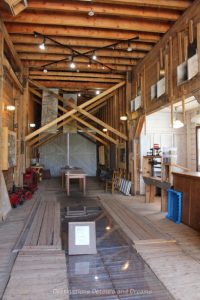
[113, 183]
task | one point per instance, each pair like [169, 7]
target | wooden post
[24, 151]
[198, 44]
[180, 50]
[191, 31]
[1, 104]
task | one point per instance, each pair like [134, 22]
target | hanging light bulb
[32, 125]
[94, 56]
[45, 70]
[72, 65]
[89, 64]
[91, 13]
[177, 123]
[97, 92]
[129, 49]
[42, 46]
[123, 118]
[79, 94]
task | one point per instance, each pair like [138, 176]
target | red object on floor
[28, 195]
[30, 180]
[14, 199]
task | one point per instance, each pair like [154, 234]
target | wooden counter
[189, 184]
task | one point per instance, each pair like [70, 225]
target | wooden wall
[171, 51]
[167, 55]
[11, 91]
[110, 113]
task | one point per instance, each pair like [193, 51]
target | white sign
[161, 87]
[193, 66]
[82, 235]
[182, 72]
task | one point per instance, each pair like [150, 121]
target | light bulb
[32, 125]
[72, 65]
[94, 56]
[42, 46]
[123, 118]
[177, 124]
[10, 107]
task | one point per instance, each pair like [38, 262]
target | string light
[42, 46]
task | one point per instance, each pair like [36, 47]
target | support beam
[81, 60]
[47, 140]
[172, 4]
[80, 74]
[77, 79]
[82, 111]
[12, 74]
[52, 49]
[43, 135]
[69, 113]
[82, 32]
[106, 9]
[76, 43]
[84, 21]
[75, 86]
[68, 121]
[10, 46]
[92, 135]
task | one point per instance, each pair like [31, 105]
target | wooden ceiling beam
[83, 21]
[76, 85]
[64, 51]
[16, 6]
[93, 75]
[77, 79]
[105, 9]
[170, 4]
[95, 43]
[52, 30]
[83, 67]
[79, 59]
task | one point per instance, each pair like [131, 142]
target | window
[198, 148]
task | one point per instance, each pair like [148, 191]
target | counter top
[188, 174]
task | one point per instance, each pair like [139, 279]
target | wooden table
[75, 174]
[62, 172]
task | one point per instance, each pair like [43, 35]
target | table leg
[84, 186]
[62, 179]
[67, 185]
